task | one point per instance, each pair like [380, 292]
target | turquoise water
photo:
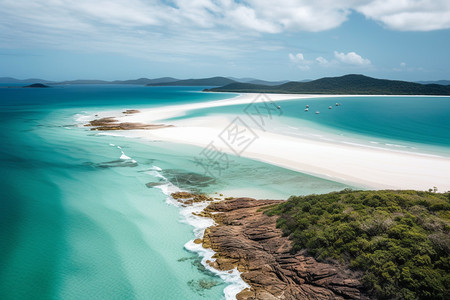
[77, 218]
[418, 124]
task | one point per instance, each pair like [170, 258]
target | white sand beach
[367, 167]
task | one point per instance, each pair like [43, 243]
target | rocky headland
[246, 238]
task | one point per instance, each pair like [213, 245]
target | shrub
[399, 239]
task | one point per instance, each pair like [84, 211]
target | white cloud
[222, 28]
[351, 58]
[148, 29]
[408, 15]
[245, 17]
[253, 15]
[300, 61]
[404, 67]
[321, 60]
[296, 57]
[340, 59]
[301, 15]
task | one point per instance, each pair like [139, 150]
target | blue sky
[273, 40]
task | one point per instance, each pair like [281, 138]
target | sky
[265, 39]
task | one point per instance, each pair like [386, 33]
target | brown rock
[182, 195]
[249, 240]
[110, 123]
[102, 122]
[189, 198]
[131, 111]
[203, 214]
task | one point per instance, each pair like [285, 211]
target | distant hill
[441, 82]
[30, 80]
[242, 87]
[241, 79]
[348, 84]
[82, 81]
[213, 81]
[145, 81]
[257, 81]
[140, 81]
[264, 82]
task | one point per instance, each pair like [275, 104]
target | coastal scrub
[399, 239]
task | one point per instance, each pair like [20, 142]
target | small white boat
[306, 109]
[329, 107]
[307, 106]
[279, 107]
[317, 112]
[337, 104]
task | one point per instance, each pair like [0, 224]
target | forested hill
[349, 84]
[399, 239]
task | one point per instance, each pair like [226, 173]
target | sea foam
[124, 156]
[232, 277]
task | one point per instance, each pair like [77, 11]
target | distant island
[441, 82]
[139, 81]
[36, 85]
[352, 84]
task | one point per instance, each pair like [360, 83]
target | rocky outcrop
[248, 239]
[131, 111]
[110, 123]
[186, 198]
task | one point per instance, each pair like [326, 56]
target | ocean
[88, 216]
[418, 124]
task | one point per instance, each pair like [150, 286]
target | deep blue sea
[78, 217]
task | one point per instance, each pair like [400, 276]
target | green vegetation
[348, 84]
[400, 239]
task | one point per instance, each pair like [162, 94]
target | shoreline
[287, 263]
[358, 165]
[191, 207]
[198, 131]
[247, 240]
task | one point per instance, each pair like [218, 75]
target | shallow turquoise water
[77, 220]
[419, 124]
